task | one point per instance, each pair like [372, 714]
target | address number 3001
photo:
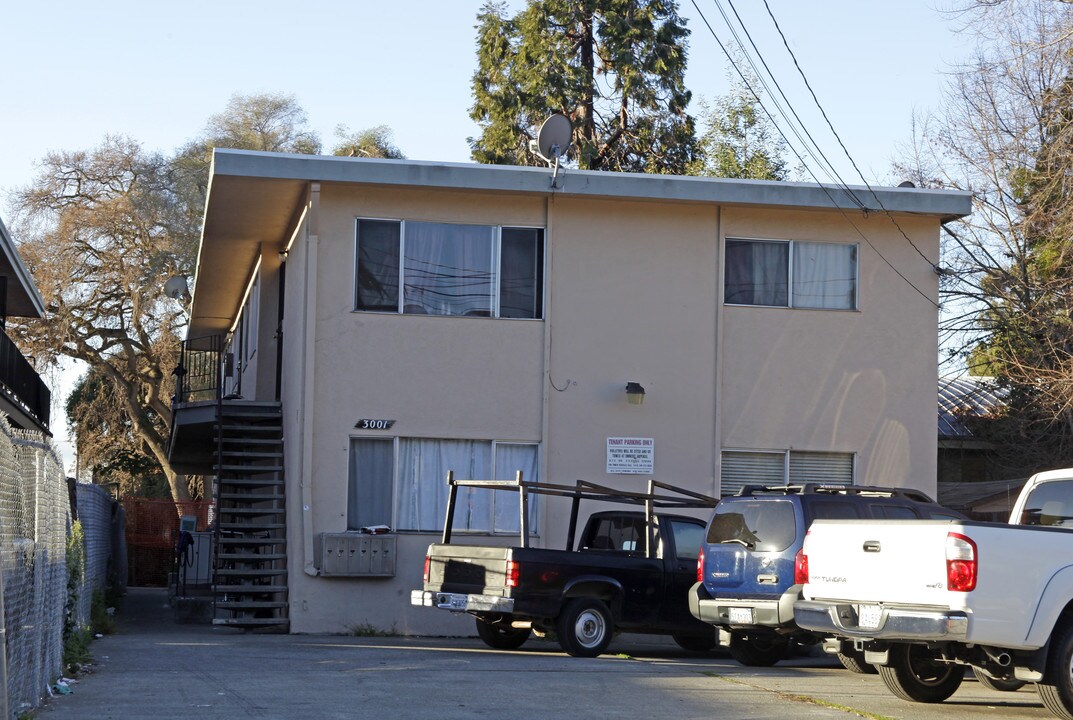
[373, 424]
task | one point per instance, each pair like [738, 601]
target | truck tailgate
[467, 569]
[902, 561]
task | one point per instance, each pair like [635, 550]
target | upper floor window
[789, 273]
[449, 269]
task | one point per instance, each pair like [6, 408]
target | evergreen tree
[740, 140]
[615, 68]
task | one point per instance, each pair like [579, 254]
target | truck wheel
[1002, 684]
[757, 650]
[914, 674]
[853, 660]
[501, 636]
[1056, 690]
[697, 643]
[585, 627]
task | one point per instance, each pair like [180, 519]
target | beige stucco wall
[857, 381]
[633, 293]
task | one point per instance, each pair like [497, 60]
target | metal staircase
[250, 570]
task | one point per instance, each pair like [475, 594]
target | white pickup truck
[924, 598]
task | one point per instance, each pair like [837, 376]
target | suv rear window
[766, 525]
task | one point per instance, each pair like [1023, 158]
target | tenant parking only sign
[630, 456]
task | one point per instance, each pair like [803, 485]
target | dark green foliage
[615, 68]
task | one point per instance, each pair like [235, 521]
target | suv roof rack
[819, 488]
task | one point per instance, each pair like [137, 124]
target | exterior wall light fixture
[635, 394]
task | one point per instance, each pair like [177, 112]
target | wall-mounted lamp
[635, 394]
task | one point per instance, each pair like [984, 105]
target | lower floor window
[784, 467]
[402, 483]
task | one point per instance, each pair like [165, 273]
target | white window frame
[497, 244]
[502, 496]
[790, 272]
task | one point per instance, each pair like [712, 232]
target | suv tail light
[428, 561]
[700, 565]
[961, 565]
[800, 567]
[514, 571]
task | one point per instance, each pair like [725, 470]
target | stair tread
[250, 573]
[251, 604]
[249, 589]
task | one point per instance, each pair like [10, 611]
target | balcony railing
[198, 376]
[21, 383]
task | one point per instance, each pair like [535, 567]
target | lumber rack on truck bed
[670, 497]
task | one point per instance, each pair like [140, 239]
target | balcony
[198, 388]
[23, 395]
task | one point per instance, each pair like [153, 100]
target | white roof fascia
[947, 204]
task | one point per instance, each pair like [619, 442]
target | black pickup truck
[630, 572]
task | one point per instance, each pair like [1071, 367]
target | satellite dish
[554, 138]
[176, 288]
[906, 184]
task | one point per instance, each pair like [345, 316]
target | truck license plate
[868, 616]
[741, 616]
[451, 601]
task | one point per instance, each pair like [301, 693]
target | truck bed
[904, 564]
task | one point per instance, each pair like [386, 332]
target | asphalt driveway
[156, 669]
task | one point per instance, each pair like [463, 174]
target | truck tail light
[961, 563]
[800, 567]
[428, 561]
[700, 565]
[514, 570]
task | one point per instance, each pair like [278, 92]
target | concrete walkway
[153, 668]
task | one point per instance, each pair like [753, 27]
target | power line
[793, 149]
[834, 132]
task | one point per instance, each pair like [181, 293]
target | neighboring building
[963, 401]
[378, 323]
[24, 397]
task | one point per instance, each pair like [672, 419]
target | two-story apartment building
[361, 327]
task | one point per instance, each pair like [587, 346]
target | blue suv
[749, 568]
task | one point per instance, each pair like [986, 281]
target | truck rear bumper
[891, 622]
[459, 602]
[734, 612]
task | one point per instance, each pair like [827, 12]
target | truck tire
[915, 675]
[501, 636]
[1001, 684]
[696, 643]
[1056, 690]
[853, 660]
[585, 627]
[758, 649]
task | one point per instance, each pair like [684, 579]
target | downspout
[306, 402]
[717, 445]
[548, 294]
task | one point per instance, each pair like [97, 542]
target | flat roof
[947, 204]
[255, 197]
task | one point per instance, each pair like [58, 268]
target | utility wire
[814, 150]
[794, 150]
[834, 132]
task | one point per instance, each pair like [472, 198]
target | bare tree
[1005, 135]
[99, 235]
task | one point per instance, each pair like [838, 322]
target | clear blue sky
[75, 71]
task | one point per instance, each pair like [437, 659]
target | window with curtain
[449, 269]
[417, 480]
[372, 469]
[789, 273]
[774, 467]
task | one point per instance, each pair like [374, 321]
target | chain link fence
[36, 518]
